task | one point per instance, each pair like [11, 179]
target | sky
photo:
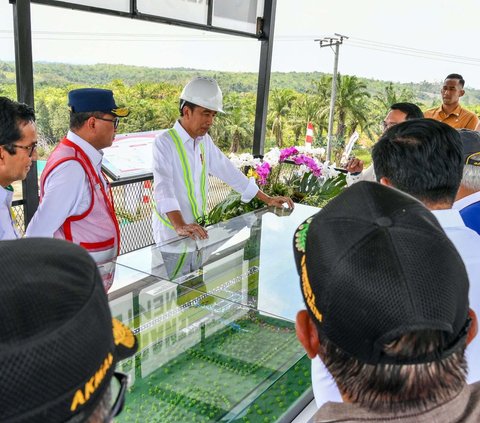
[411, 41]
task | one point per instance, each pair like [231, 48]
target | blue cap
[471, 146]
[94, 100]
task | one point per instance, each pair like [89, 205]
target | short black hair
[78, 119]
[457, 76]
[183, 104]
[12, 116]
[422, 157]
[411, 110]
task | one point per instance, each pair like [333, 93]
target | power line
[473, 62]
[354, 42]
[413, 49]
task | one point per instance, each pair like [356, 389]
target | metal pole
[330, 42]
[264, 71]
[332, 103]
[24, 73]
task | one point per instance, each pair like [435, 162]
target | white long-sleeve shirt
[169, 186]
[7, 227]
[66, 192]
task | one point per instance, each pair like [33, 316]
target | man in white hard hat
[184, 156]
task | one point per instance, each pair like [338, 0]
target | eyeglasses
[29, 148]
[118, 385]
[115, 121]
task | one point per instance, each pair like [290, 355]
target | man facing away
[467, 201]
[387, 312]
[399, 112]
[75, 199]
[424, 158]
[59, 343]
[184, 156]
[18, 140]
[450, 110]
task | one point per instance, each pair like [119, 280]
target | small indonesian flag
[147, 191]
[309, 135]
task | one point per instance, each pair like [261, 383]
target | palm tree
[280, 103]
[238, 122]
[351, 105]
[168, 113]
[390, 96]
[307, 108]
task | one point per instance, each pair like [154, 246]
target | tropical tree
[307, 108]
[239, 120]
[350, 106]
[280, 103]
[390, 95]
[52, 113]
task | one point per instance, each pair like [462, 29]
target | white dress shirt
[66, 192]
[7, 227]
[466, 201]
[467, 243]
[169, 185]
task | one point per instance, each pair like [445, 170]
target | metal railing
[133, 199]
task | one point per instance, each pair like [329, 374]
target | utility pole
[330, 42]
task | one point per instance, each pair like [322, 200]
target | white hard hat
[204, 92]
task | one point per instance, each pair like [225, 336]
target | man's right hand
[192, 230]
[354, 165]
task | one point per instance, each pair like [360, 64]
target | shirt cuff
[250, 191]
[353, 178]
[166, 205]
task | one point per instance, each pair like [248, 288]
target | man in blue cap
[75, 198]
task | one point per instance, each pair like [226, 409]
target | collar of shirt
[456, 112]
[448, 218]
[446, 411]
[184, 136]
[5, 196]
[466, 201]
[93, 154]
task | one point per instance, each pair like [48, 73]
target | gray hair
[471, 177]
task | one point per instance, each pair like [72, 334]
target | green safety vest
[188, 179]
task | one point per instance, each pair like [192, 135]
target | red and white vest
[96, 229]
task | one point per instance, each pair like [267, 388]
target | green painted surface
[233, 368]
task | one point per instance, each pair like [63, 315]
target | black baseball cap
[85, 100]
[58, 341]
[471, 146]
[374, 265]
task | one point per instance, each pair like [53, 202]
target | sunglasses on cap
[473, 159]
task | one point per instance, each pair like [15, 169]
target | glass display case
[215, 324]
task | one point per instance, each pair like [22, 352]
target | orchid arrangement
[297, 172]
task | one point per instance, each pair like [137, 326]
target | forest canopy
[295, 98]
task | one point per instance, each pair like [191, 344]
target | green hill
[63, 74]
